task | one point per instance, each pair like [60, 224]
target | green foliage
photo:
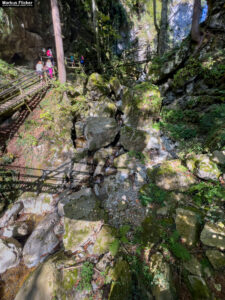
[192, 68]
[87, 272]
[7, 71]
[123, 232]
[178, 250]
[138, 155]
[26, 140]
[114, 247]
[140, 270]
[212, 119]
[206, 193]
[152, 194]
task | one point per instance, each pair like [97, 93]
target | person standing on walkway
[39, 69]
[49, 68]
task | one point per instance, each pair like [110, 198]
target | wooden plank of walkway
[17, 101]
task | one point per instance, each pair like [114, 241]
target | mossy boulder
[133, 139]
[216, 258]
[100, 132]
[140, 104]
[214, 235]
[102, 108]
[80, 205]
[104, 240]
[115, 86]
[121, 285]
[77, 232]
[203, 167]
[160, 270]
[193, 266]
[172, 175]
[198, 288]
[48, 280]
[97, 86]
[187, 224]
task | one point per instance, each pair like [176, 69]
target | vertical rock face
[24, 31]
[180, 17]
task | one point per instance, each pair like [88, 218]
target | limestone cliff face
[24, 31]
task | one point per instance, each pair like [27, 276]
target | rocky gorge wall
[141, 210]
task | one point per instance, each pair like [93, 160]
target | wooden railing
[18, 92]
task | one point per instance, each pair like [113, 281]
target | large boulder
[115, 86]
[140, 104]
[11, 214]
[187, 224]
[122, 283]
[133, 139]
[213, 235]
[41, 204]
[203, 167]
[78, 233]
[48, 280]
[216, 258]
[79, 205]
[103, 108]
[172, 175]
[161, 273]
[10, 254]
[97, 86]
[198, 287]
[104, 240]
[42, 242]
[100, 132]
[193, 266]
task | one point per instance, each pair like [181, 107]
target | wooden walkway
[20, 91]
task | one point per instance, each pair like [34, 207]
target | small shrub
[153, 194]
[206, 193]
[87, 272]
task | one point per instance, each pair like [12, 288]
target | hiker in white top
[39, 69]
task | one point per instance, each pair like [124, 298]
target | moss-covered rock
[97, 86]
[133, 139]
[77, 232]
[48, 281]
[103, 108]
[172, 175]
[187, 224]
[121, 285]
[216, 258]
[203, 167]
[115, 86]
[161, 273]
[104, 239]
[214, 235]
[140, 104]
[198, 288]
[193, 266]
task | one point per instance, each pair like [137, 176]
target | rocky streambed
[123, 223]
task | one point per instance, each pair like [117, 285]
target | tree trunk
[162, 42]
[195, 29]
[95, 25]
[155, 20]
[58, 41]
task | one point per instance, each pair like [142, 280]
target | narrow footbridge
[20, 91]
